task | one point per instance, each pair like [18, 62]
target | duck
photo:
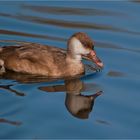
[45, 60]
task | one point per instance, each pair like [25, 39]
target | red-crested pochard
[45, 60]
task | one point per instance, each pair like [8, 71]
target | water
[48, 108]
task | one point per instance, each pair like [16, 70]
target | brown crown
[84, 39]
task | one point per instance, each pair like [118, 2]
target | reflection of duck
[50, 61]
[77, 104]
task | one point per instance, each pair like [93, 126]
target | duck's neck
[73, 57]
[74, 64]
[73, 50]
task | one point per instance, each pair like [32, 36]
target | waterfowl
[46, 60]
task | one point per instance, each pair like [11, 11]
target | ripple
[17, 123]
[8, 88]
[68, 24]
[103, 122]
[113, 46]
[136, 1]
[70, 10]
[116, 74]
[8, 32]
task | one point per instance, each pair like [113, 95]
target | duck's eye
[84, 43]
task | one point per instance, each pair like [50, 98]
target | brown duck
[45, 60]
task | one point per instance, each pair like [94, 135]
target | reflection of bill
[77, 104]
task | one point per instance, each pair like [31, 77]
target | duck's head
[81, 45]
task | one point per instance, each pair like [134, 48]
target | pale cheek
[81, 50]
[77, 47]
[87, 51]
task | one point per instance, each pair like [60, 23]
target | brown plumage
[45, 60]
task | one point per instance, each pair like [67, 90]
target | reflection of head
[79, 105]
[74, 86]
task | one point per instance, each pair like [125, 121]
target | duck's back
[34, 59]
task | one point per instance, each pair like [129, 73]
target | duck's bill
[93, 57]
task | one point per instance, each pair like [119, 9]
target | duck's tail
[1, 49]
[1, 52]
[2, 67]
[4, 52]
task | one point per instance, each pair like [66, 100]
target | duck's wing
[33, 58]
[30, 51]
[41, 53]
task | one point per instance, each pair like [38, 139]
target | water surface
[36, 107]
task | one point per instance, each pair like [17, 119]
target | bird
[45, 60]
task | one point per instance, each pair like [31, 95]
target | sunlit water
[56, 108]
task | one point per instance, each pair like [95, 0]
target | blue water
[45, 108]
